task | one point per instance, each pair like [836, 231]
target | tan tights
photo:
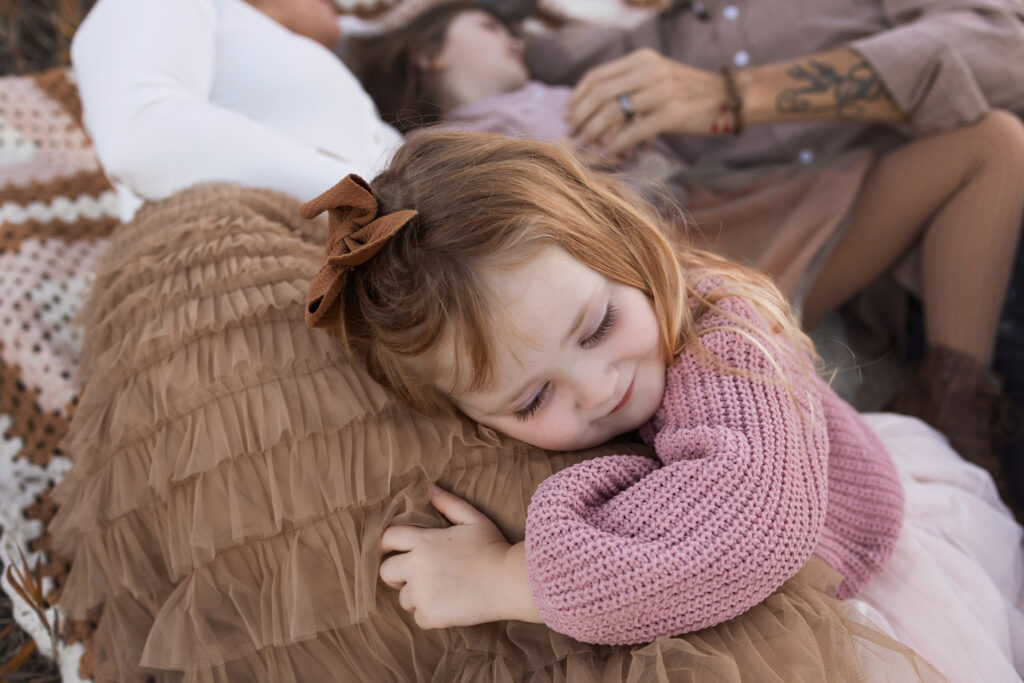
[961, 193]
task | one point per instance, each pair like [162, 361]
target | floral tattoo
[851, 91]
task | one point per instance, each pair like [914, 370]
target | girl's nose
[594, 388]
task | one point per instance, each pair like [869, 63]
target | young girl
[459, 66]
[958, 195]
[502, 279]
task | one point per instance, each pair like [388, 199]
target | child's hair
[486, 202]
[388, 64]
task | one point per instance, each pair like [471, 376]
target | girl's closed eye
[524, 414]
[610, 317]
[607, 322]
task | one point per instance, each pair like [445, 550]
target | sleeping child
[500, 278]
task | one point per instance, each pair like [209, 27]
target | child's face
[581, 361]
[479, 58]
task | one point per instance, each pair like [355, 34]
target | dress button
[731, 12]
[805, 156]
[741, 58]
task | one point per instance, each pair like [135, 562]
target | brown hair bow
[355, 233]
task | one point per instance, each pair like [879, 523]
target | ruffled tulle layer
[234, 471]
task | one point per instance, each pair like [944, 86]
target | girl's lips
[625, 398]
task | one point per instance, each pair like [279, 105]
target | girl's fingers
[454, 508]
[400, 538]
[405, 600]
[393, 572]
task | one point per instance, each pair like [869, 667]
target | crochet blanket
[56, 211]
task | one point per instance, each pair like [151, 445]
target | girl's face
[581, 361]
[479, 58]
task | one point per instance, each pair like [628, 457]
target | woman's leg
[961, 193]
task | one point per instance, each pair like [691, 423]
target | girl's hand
[463, 575]
[669, 97]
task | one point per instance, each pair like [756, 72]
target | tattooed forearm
[824, 90]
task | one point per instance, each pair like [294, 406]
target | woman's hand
[459, 576]
[668, 97]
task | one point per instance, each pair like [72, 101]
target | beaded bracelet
[734, 102]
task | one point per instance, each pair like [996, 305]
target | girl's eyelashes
[610, 316]
[607, 322]
[524, 414]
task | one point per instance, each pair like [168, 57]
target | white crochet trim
[61, 207]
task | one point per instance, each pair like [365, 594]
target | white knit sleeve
[145, 70]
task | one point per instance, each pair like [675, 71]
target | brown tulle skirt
[234, 472]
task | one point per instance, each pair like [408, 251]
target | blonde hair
[486, 200]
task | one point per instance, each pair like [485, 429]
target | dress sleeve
[947, 62]
[145, 69]
[624, 550]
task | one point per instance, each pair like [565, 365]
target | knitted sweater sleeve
[624, 549]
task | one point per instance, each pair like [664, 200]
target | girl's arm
[622, 551]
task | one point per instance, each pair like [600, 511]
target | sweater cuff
[928, 78]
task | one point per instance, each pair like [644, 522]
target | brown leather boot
[964, 400]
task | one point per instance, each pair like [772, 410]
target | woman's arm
[145, 69]
[838, 85]
[940, 65]
[670, 97]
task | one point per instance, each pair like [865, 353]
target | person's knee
[999, 139]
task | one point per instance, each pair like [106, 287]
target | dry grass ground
[14, 644]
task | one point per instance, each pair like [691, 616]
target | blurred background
[36, 34]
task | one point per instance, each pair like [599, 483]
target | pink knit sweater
[624, 549]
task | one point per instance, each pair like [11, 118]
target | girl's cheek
[563, 433]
